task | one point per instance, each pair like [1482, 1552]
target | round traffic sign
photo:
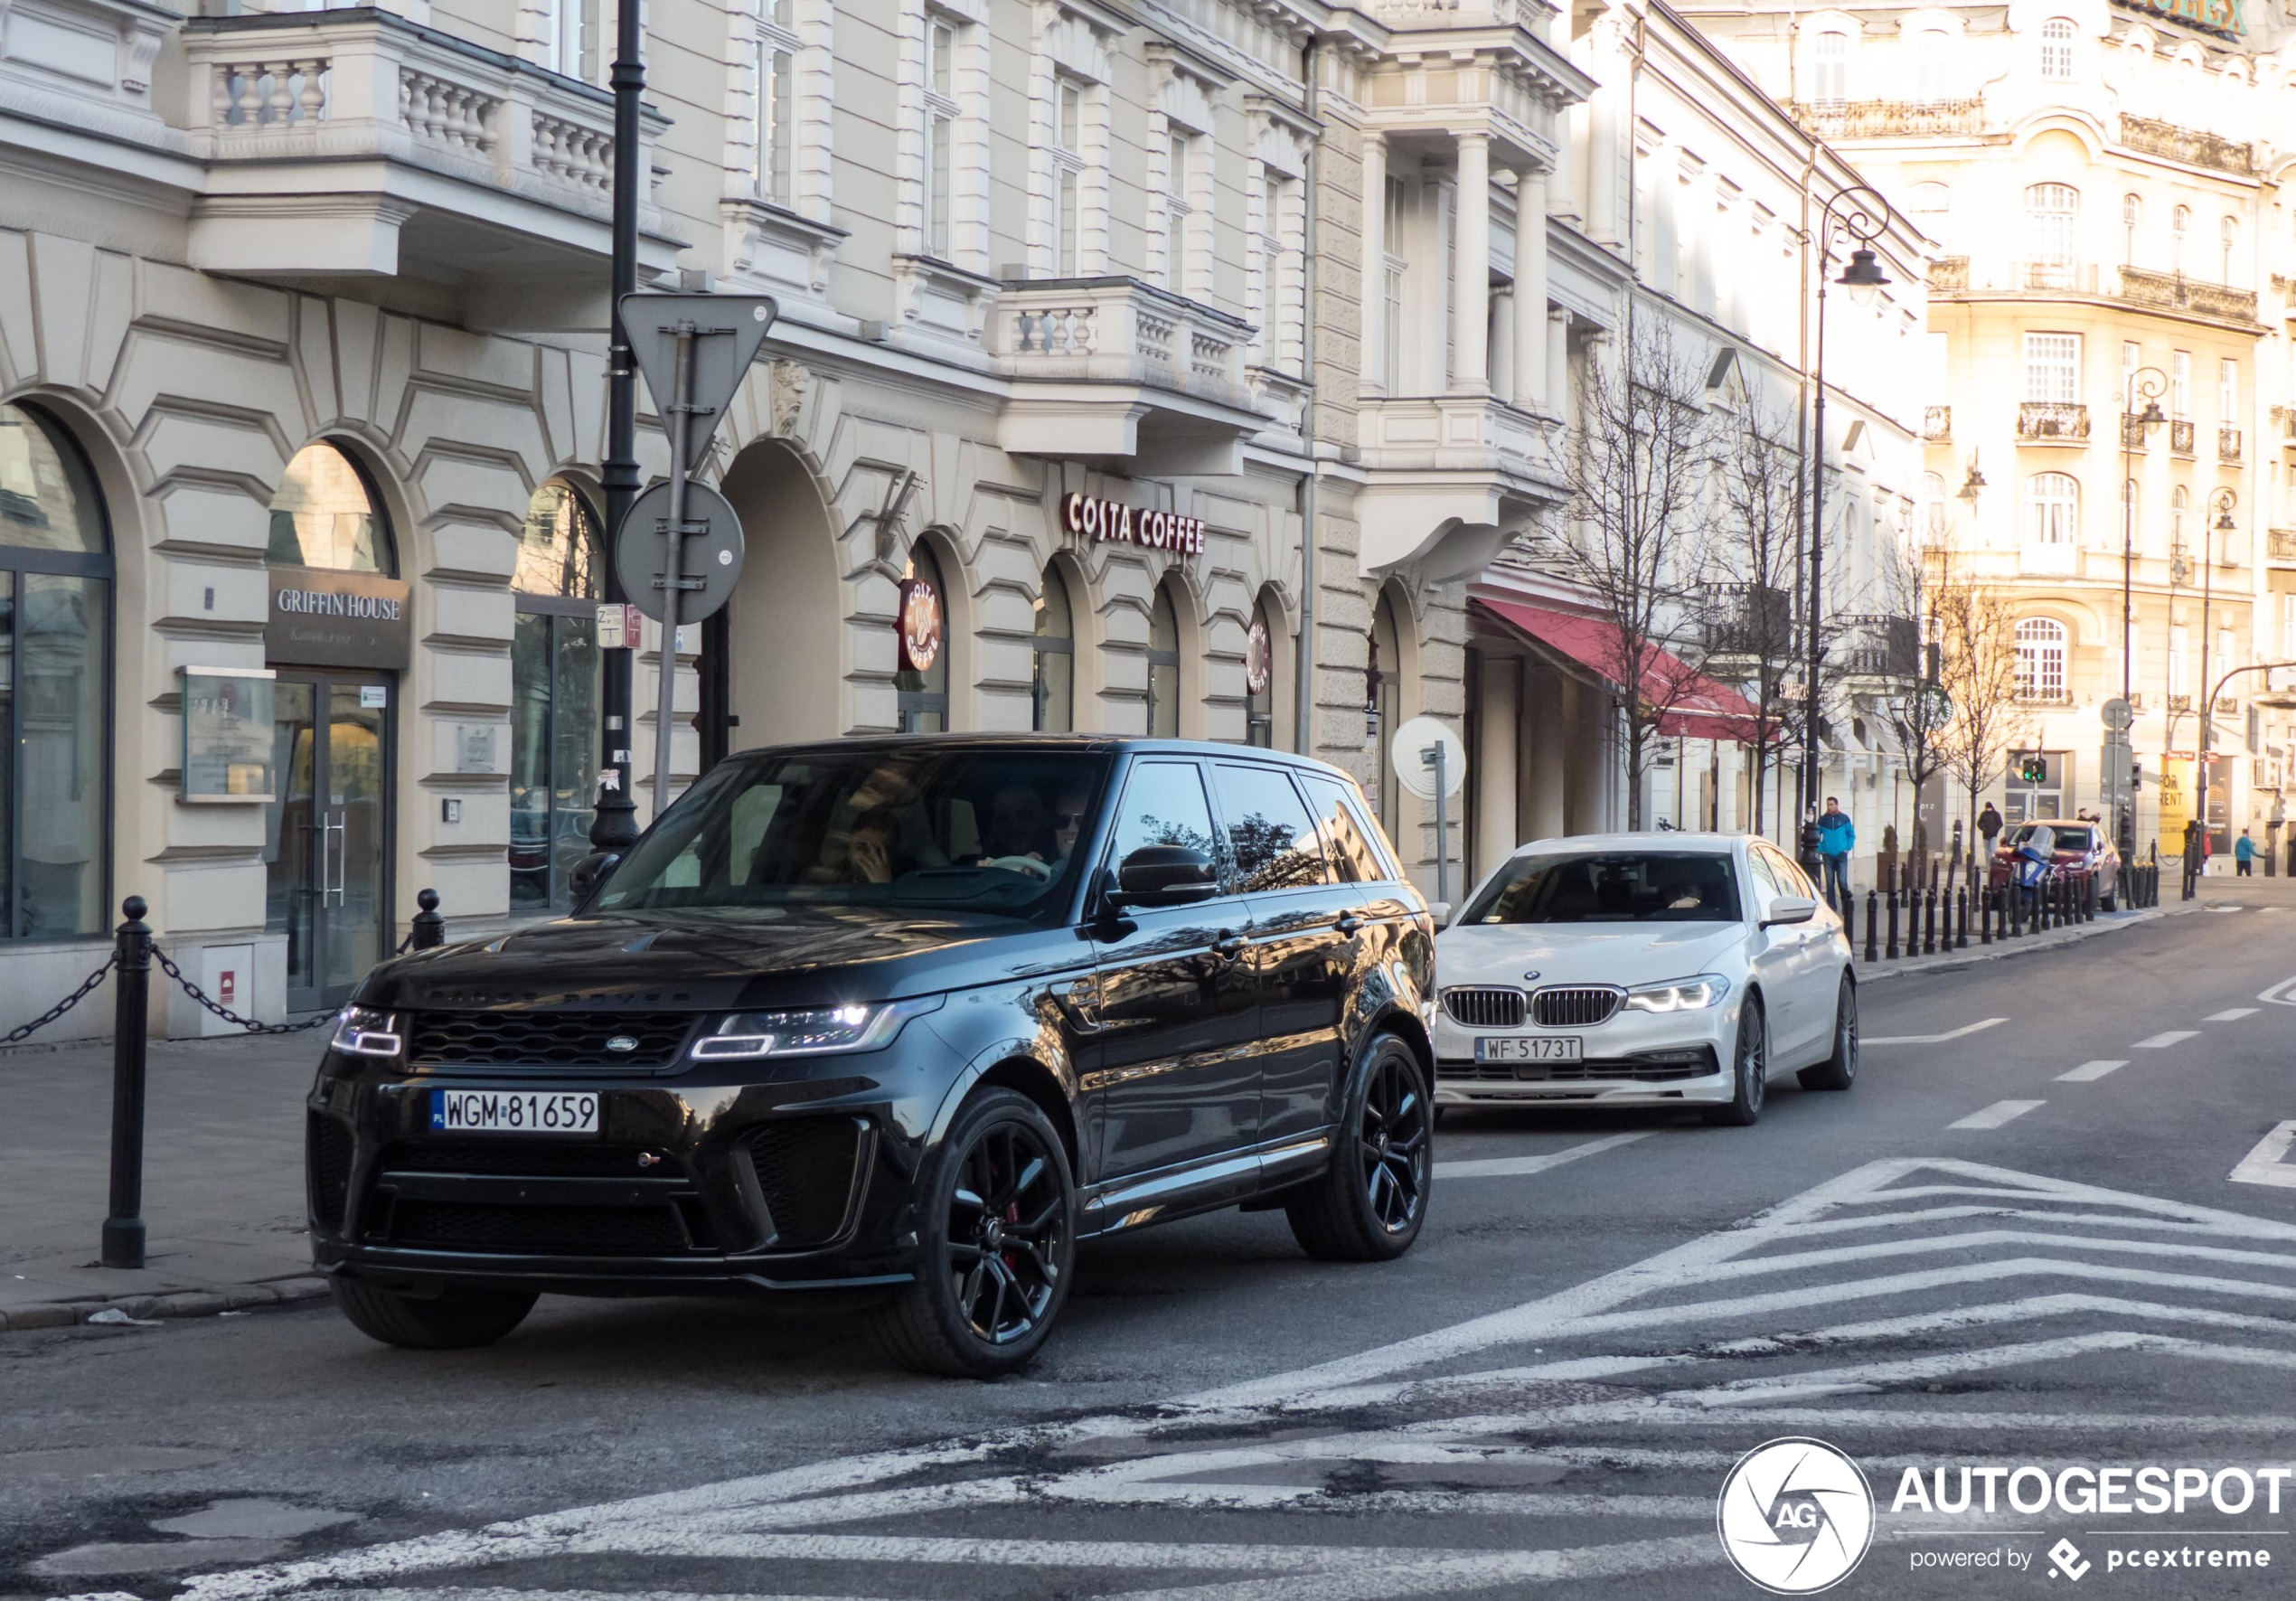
[2118, 714]
[1414, 771]
[712, 555]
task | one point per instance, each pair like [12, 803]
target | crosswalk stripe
[2161, 1041]
[2268, 1163]
[1495, 1167]
[1999, 1113]
[2089, 1071]
[2230, 1014]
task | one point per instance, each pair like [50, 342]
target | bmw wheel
[1839, 1070]
[1749, 1072]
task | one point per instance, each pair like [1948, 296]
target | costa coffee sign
[1259, 658]
[920, 625]
[1112, 522]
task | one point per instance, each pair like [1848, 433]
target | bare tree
[1748, 604]
[1920, 710]
[1637, 466]
[1977, 631]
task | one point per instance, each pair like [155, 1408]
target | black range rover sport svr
[906, 1015]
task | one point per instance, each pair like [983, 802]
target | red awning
[1697, 707]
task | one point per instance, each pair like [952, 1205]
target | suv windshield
[924, 826]
[1628, 887]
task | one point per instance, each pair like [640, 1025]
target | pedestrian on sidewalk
[1837, 837]
[2244, 856]
[1989, 828]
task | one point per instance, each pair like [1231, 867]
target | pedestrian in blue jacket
[1837, 837]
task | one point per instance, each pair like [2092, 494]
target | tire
[1748, 1071]
[453, 1320]
[1839, 1070]
[1370, 1203]
[996, 1232]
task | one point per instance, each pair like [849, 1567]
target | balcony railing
[1888, 120]
[2174, 291]
[2053, 422]
[1748, 620]
[2189, 146]
[2280, 546]
[1937, 424]
[2134, 434]
[1875, 645]
[1120, 329]
[2180, 432]
[2179, 702]
[2228, 445]
[1949, 275]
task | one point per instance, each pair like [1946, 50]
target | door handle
[1349, 923]
[341, 829]
[1229, 944]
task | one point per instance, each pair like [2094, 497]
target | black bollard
[1985, 908]
[428, 930]
[1961, 919]
[1893, 920]
[2016, 910]
[1929, 920]
[1873, 927]
[1849, 909]
[123, 1242]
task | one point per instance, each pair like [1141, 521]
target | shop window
[1259, 678]
[55, 628]
[554, 666]
[1054, 691]
[1382, 707]
[1163, 666]
[326, 514]
[923, 680]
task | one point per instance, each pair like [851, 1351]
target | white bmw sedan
[1651, 969]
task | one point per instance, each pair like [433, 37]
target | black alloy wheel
[996, 1213]
[451, 1319]
[1749, 1073]
[1368, 1205]
[1839, 1070]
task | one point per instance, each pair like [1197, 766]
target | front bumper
[1636, 1058]
[797, 1176]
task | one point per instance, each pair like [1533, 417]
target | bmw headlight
[359, 1030]
[814, 1030]
[1684, 994]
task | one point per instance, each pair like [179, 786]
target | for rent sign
[1105, 521]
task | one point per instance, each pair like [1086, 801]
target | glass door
[326, 837]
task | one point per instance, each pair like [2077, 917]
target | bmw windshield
[924, 827]
[1619, 887]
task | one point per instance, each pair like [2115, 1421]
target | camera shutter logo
[1795, 1516]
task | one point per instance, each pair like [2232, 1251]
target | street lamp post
[2149, 382]
[1860, 214]
[2221, 503]
[614, 826]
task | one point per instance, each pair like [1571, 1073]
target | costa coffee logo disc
[1259, 658]
[920, 625]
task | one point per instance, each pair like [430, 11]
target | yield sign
[728, 329]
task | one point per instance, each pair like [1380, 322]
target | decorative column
[1374, 378]
[1558, 363]
[1495, 764]
[1603, 171]
[1530, 381]
[1470, 291]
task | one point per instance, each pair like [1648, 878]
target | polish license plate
[513, 1111]
[1511, 1047]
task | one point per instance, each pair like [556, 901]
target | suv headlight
[359, 1030]
[1684, 994]
[817, 1031]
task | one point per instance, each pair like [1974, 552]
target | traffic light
[2136, 775]
[2034, 769]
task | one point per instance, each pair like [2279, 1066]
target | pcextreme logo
[1795, 1516]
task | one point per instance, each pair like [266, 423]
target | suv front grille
[1485, 1006]
[327, 1158]
[805, 1170]
[546, 1039]
[541, 1230]
[532, 1159]
[1575, 1007]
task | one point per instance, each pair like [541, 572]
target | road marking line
[2161, 1041]
[2089, 1071]
[1503, 1167]
[2265, 1164]
[2230, 1014]
[1961, 1033]
[1999, 1113]
[2279, 994]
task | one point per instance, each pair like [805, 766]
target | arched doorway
[775, 660]
[1383, 706]
[55, 635]
[1166, 683]
[554, 672]
[337, 638]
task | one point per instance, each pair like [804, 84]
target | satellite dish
[1409, 750]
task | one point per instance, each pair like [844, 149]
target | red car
[2080, 849]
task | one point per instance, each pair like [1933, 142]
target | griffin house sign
[1112, 522]
[322, 618]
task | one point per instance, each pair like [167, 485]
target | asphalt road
[2017, 1244]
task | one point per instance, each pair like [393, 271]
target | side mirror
[585, 876]
[1166, 875]
[1789, 909]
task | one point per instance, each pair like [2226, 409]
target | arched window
[55, 644]
[1163, 666]
[1383, 706]
[2040, 659]
[554, 667]
[1829, 74]
[2056, 48]
[1259, 677]
[2052, 229]
[1930, 200]
[325, 515]
[923, 682]
[2052, 510]
[2131, 215]
[1053, 697]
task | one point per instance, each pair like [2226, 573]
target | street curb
[208, 1303]
[2025, 945]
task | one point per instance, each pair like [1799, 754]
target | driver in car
[1017, 837]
